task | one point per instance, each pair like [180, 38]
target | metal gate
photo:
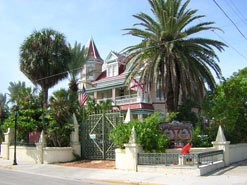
[96, 131]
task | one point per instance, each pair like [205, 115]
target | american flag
[83, 96]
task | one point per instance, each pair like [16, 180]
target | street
[13, 177]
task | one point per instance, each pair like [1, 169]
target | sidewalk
[226, 176]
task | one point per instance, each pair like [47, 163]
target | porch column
[140, 117]
[113, 95]
[95, 95]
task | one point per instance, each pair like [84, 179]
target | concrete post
[74, 138]
[8, 138]
[39, 148]
[131, 152]
[128, 117]
[222, 144]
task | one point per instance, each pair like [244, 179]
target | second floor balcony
[127, 99]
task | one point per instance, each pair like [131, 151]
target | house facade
[107, 81]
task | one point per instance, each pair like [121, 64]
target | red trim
[103, 76]
[137, 106]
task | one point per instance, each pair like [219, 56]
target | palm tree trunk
[170, 105]
[45, 98]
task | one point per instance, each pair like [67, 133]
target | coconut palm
[169, 55]
[78, 59]
[44, 58]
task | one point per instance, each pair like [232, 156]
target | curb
[121, 182]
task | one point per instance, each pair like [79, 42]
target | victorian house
[107, 78]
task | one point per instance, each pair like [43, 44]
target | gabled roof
[115, 56]
[92, 50]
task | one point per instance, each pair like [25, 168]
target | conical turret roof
[92, 50]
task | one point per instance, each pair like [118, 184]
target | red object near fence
[186, 148]
[34, 137]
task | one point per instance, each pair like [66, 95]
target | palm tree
[61, 110]
[169, 55]
[4, 113]
[106, 105]
[78, 59]
[4, 109]
[44, 58]
[19, 92]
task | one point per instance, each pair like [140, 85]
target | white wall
[24, 153]
[50, 154]
[237, 152]
[57, 154]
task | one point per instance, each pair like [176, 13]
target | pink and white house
[108, 83]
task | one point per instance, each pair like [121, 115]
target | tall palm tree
[79, 57]
[169, 55]
[44, 58]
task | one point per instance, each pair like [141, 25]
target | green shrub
[147, 132]
[203, 138]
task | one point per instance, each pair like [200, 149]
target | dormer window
[109, 71]
[112, 70]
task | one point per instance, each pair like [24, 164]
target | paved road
[235, 174]
[13, 177]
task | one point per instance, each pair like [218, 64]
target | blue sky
[104, 20]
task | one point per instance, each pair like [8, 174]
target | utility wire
[229, 45]
[244, 57]
[58, 74]
[240, 15]
[230, 19]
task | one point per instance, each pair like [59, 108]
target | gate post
[222, 144]
[8, 138]
[39, 148]
[74, 138]
[131, 152]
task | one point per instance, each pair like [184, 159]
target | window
[115, 70]
[159, 93]
[90, 75]
[109, 71]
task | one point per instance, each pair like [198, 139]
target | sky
[105, 20]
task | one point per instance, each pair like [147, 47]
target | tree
[19, 92]
[227, 106]
[170, 56]
[78, 59]
[59, 118]
[44, 58]
[4, 113]
[28, 119]
[147, 132]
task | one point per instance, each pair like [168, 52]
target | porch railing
[210, 157]
[128, 99]
[206, 158]
[157, 158]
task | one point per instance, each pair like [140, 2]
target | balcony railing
[128, 99]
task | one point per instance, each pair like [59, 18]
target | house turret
[93, 67]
